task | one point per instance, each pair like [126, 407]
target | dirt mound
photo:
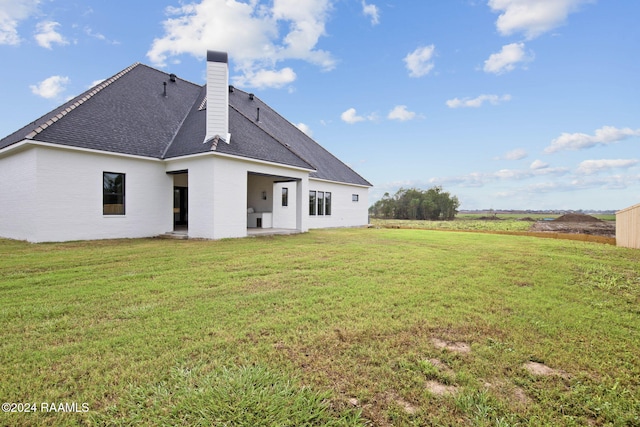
[526, 218]
[489, 218]
[574, 217]
[577, 224]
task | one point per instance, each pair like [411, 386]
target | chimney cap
[215, 56]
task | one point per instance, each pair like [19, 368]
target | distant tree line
[431, 204]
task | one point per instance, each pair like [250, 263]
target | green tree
[412, 203]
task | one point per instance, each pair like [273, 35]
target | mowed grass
[335, 327]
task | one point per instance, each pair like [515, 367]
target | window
[112, 193]
[320, 202]
[285, 196]
[312, 202]
[355, 198]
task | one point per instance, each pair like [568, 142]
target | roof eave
[35, 143]
[367, 185]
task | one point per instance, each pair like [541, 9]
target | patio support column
[302, 204]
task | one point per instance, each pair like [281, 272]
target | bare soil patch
[521, 396]
[458, 347]
[577, 224]
[441, 389]
[409, 408]
[537, 368]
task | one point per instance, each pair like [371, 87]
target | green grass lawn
[338, 327]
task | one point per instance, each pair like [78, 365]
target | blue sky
[508, 104]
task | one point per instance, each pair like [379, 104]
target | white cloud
[47, 35]
[578, 141]
[478, 101]
[613, 182]
[506, 59]
[532, 17]
[419, 62]
[401, 113]
[351, 116]
[11, 13]
[96, 83]
[538, 164]
[89, 31]
[479, 179]
[266, 78]
[593, 166]
[306, 129]
[257, 35]
[372, 11]
[306, 22]
[517, 154]
[50, 87]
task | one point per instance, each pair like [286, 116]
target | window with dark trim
[327, 203]
[113, 193]
[355, 197]
[312, 202]
[285, 196]
[320, 202]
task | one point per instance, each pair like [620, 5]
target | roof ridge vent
[203, 104]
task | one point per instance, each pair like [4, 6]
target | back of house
[146, 153]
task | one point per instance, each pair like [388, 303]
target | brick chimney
[217, 96]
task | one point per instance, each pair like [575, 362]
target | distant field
[462, 216]
[501, 223]
[463, 224]
[347, 327]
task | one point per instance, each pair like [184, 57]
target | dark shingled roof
[130, 114]
[247, 139]
[326, 164]
[127, 114]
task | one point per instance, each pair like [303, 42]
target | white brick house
[146, 152]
